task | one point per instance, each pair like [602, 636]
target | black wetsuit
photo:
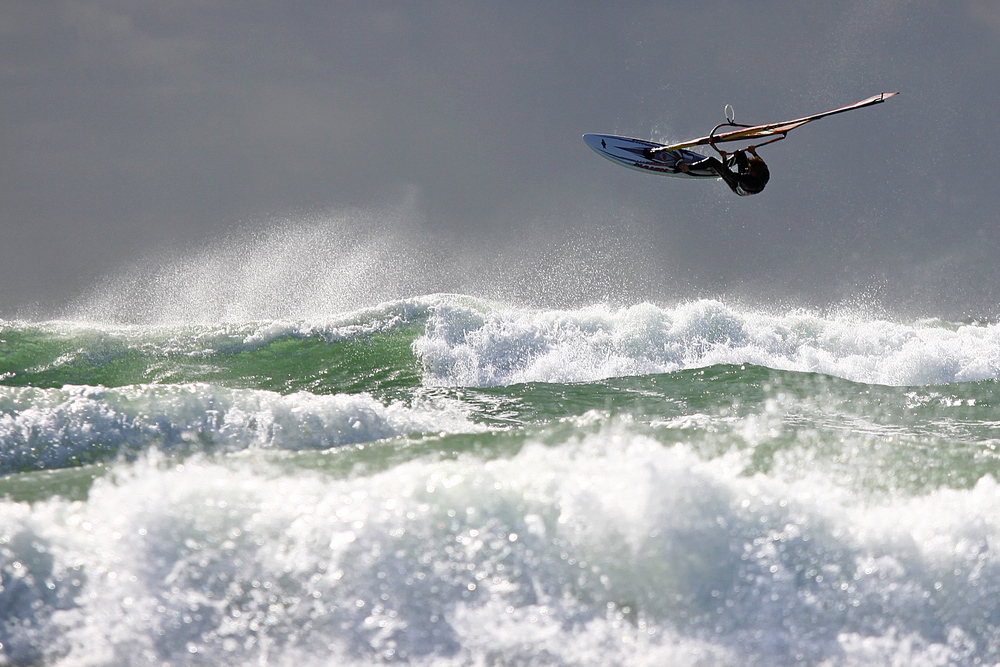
[743, 182]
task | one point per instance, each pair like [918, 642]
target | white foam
[470, 345]
[51, 428]
[606, 549]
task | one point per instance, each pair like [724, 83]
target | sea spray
[314, 266]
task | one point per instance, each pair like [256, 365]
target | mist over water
[306, 266]
[294, 267]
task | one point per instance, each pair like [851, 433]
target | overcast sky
[134, 134]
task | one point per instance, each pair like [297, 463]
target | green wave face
[41, 357]
[466, 373]
[470, 373]
[873, 437]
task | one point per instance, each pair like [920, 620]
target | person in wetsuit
[749, 178]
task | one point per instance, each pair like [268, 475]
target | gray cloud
[135, 131]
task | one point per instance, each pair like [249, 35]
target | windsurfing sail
[772, 131]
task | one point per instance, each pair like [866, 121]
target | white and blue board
[647, 156]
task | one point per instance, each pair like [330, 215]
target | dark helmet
[755, 177]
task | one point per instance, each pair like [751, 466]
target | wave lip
[74, 425]
[480, 345]
[98, 341]
[349, 352]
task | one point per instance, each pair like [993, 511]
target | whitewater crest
[489, 345]
[73, 425]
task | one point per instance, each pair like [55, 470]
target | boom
[770, 129]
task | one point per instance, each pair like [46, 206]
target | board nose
[596, 141]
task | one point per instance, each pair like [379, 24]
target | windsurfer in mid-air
[745, 175]
[749, 178]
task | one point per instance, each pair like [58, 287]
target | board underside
[637, 154]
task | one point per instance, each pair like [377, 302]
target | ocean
[452, 480]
